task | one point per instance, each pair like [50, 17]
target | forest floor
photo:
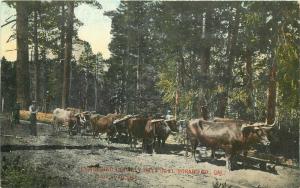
[59, 160]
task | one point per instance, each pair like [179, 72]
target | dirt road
[60, 160]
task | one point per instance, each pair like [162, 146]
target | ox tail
[148, 144]
[186, 142]
[53, 123]
[115, 131]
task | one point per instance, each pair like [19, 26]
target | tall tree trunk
[22, 70]
[137, 108]
[86, 83]
[249, 83]
[271, 103]
[60, 72]
[68, 54]
[205, 62]
[95, 86]
[62, 31]
[271, 106]
[36, 59]
[232, 39]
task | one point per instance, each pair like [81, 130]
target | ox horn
[272, 125]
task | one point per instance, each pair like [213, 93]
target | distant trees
[220, 54]
[45, 28]
[235, 59]
[8, 84]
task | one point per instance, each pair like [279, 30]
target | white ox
[62, 117]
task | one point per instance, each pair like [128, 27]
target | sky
[96, 28]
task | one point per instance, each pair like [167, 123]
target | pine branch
[13, 37]
[8, 23]
[9, 17]
[13, 25]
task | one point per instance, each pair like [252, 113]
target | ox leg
[127, 136]
[151, 147]
[95, 132]
[194, 146]
[156, 145]
[133, 143]
[130, 141]
[55, 124]
[70, 129]
[163, 144]
[228, 162]
[245, 153]
[230, 159]
[53, 128]
[143, 146]
[186, 149]
[213, 156]
[160, 145]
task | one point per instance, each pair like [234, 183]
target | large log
[41, 117]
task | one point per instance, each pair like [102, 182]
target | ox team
[230, 135]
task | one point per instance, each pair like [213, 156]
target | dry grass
[41, 117]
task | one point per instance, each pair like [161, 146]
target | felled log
[41, 117]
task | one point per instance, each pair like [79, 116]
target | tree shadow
[174, 149]
[120, 139]
[238, 165]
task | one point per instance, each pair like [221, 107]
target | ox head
[80, 118]
[257, 132]
[87, 115]
[172, 124]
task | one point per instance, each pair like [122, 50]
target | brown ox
[104, 124]
[88, 116]
[121, 125]
[136, 129]
[231, 136]
[156, 129]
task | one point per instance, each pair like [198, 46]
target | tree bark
[271, 101]
[22, 70]
[271, 106]
[68, 54]
[249, 83]
[62, 31]
[205, 62]
[60, 72]
[36, 59]
[96, 85]
[232, 39]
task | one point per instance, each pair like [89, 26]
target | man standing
[169, 116]
[16, 114]
[33, 111]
